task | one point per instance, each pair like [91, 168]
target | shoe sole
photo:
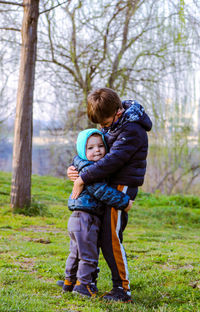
[65, 291]
[83, 295]
[118, 300]
[78, 293]
[108, 301]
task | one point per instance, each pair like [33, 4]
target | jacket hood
[82, 141]
[134, 112]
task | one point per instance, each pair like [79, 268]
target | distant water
[5, 156]
[46, 160]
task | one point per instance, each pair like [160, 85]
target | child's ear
[119, 112]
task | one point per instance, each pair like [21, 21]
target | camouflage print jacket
[96, 196]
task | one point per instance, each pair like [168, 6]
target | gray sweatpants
[82, 261]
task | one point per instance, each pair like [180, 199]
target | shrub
[186, 200]
[35, 209]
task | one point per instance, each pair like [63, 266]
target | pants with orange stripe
[113, 225]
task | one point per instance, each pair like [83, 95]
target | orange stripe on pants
[116, 245]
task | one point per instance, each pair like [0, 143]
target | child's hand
[72, 173]
[78, 188]
[129, 206]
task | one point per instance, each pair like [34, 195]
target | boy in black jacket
[124, 125]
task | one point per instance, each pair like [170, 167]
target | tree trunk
[22, 149]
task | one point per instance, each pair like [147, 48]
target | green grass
[162, 242]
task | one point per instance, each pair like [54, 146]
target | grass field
[162, 241]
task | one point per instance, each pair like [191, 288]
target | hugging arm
[109, 195]
[125, 146]
[78, 186]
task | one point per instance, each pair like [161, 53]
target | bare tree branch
[50, 9]
[10, 28]
[12, 3]
[73, 47]
[130, 10]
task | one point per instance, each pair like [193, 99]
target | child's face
[95, 148]
[107, 122]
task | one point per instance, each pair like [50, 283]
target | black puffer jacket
[128, 143]
[96, 195]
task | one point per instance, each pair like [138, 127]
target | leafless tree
[22, 149]
[140, 48]
[143, 49]
[131, 46]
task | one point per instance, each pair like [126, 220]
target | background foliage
[145, 50]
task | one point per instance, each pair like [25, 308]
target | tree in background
[131, 46]
[22, 149]
[144, 50]
[139, 48]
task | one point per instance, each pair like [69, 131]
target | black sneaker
[118, 294]
[85, 290]
[93, 286]
[67, 286]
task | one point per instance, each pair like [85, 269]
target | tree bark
[22, 149]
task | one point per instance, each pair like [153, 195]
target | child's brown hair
[102, 103]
